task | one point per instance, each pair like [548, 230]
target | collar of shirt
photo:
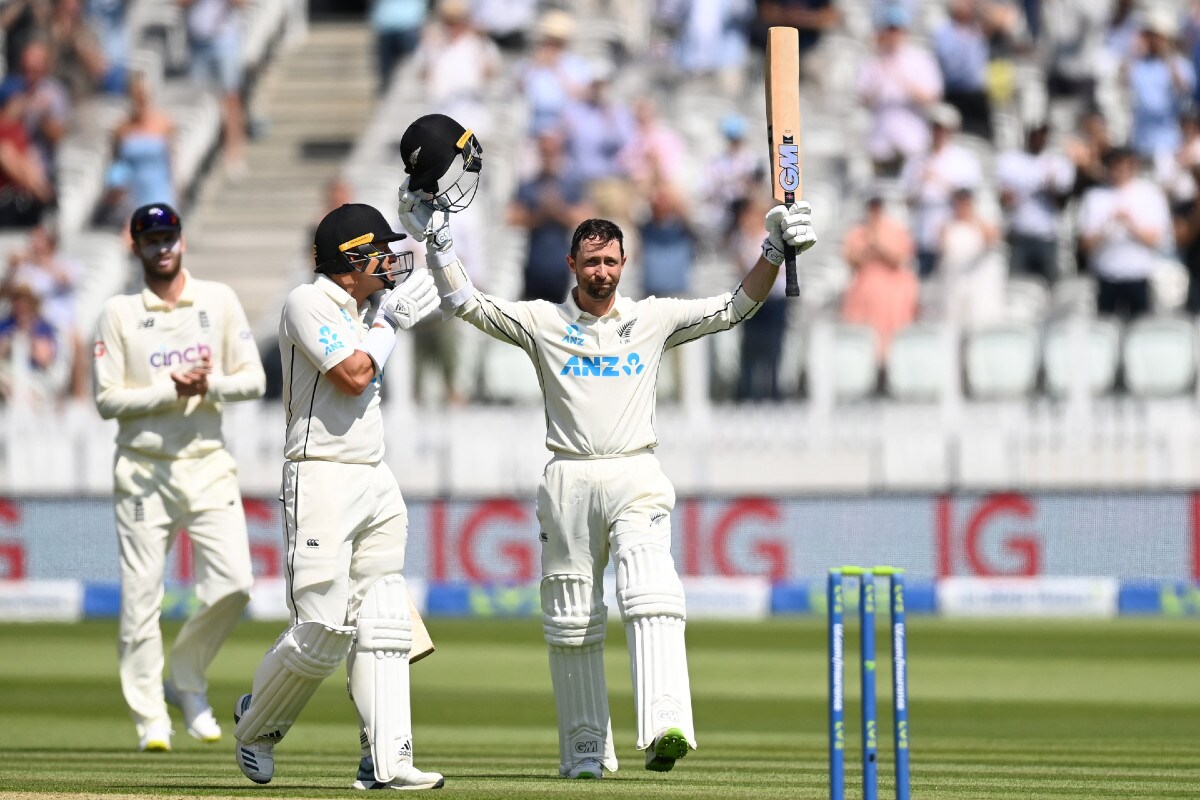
[187, 297]
[620, 308]
[336, 293]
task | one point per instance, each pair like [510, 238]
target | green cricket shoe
[667, 748]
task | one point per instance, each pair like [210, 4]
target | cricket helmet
[350, 236]
[443, 159]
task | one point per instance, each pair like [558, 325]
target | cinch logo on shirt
[188, 355]
[602, 366]
[330, 340]
[573, 336]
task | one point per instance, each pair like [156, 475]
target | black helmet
[154, 217]
[443, 159]
[350, 236]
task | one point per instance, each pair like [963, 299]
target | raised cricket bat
[422, 645]
[783, 128]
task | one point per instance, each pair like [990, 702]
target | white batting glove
[788, 226]
[415, 213]
[410, 302]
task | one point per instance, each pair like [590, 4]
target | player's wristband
[378, 344]
[451, 279]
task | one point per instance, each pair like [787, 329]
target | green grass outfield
[1014, 710]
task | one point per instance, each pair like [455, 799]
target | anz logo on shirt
[574, 336]
[330, 340]
[602, 366]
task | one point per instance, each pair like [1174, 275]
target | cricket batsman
[165, 361]
[597, 355]
[344, 518]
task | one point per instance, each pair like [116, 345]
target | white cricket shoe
[590, 768]
[154, 738]
[197, 713]
[668, 747]
[256, 759]
[409, 778]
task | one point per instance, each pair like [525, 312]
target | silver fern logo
[412, 159]
[626, 330]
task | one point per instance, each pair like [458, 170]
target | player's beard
[599, 291]
[162, 263]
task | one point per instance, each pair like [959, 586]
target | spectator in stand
[961, 47]
[1121, 33]
[456, 64]
[215, 42]
[763, 333]
[930, 179]
[654, 153]
[140, 173]
[1187, 237]
[25, 191]
[598, 130]
[30, 368]
[1173, 171]
[53, 278]
[1124, 228]
[970, 271]
[668, 245]
[897, 83]
[549, 205]
[78, 57]
[883, 290]
[1088, 152]
[733, 175]
[107, 19]
[712, 42]
[1034, 185]
[1072, 47]
[47, 107]
[812, 19]
[553, 77]
[1161, 82]
[507, 22]
[22, 21]
[397, 26]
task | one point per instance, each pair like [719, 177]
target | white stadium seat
[1159, 356]
[918, 362]
[1002, 360]
[508, 374]
[1026, 298]
[855, 370]
[1101, 342]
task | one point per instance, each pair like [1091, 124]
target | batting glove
[410, 302]
[788, 226]
[415, 213]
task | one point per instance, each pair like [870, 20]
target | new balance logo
[139, 511]
[313, 543]
[203, 319]
[148, 322]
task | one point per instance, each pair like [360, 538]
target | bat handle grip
[789, 271]
[792, 287]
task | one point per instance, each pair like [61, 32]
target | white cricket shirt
[320, 327]
[598, 375]
[140, 341]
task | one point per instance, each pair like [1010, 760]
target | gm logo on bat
[789, 165]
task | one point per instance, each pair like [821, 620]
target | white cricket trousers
[346, 527]
[155, 498]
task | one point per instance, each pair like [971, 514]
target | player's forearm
[113, 402]
[248, 383]
[760, 279]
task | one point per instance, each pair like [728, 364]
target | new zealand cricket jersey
[140, 341]
[598, 375]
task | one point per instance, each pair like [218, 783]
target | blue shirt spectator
[668, 247]
[1160, 83]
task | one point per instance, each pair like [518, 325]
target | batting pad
[379, 674]
[650, 596]
[573, 619]
[288, 676]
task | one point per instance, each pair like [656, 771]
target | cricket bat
[422, 645]
[783, 128]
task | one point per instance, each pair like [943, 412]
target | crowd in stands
[1100, 182]
[60, 58]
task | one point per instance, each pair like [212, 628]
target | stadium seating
[851, 362]
[1002, 360]
[1159, 356]
[919, 362]
[1095, 355]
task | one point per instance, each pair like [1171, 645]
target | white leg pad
[573, 620]
[650, 597]
[289, 674]
[378, 671]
